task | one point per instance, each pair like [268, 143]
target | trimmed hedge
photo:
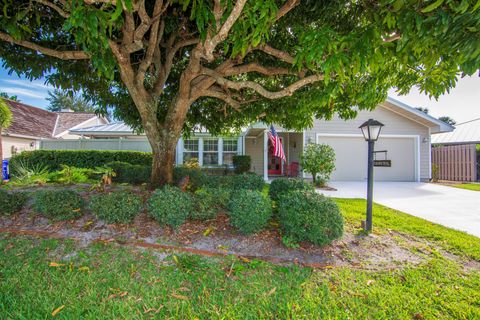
[206, 207]
[282, 185]
[242, 163]
[197, 177]
[53, 159]
[116, 207]
[58, 204]
[11, 202]
[170, 206]
[130, 173]
[309, 216]
[246, 181]
[249, 211]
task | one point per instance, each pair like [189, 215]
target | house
[465, 133]
[31, 124]
[405, 141]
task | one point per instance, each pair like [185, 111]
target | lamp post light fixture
[371, 130]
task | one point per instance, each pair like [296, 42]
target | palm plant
[5, 121]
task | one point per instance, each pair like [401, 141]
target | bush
[249, 181]
[319, 160]
[309, 216]
[282, 185]
[70, 175]
[58, 204]
[196, 176]
[170, 206]
[11, 202]
[130, 173]
[241, 163]
[208, 201]
[116, 207]
[249, 211]
[53, 159]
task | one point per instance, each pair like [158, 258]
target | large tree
[169, 65]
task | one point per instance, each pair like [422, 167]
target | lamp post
[371, 130]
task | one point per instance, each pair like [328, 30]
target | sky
[462, 103]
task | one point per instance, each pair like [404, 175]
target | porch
[258, 147]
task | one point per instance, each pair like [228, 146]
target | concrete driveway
[451, 207]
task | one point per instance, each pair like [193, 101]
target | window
[190, 149]
[230, 147]
[210, 152]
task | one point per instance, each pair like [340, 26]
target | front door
[274, 163]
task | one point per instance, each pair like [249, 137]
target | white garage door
[351, 158]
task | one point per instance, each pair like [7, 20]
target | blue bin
[5, 175]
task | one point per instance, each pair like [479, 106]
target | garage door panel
[351, 158]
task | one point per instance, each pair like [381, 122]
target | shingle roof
[467, 132]
[30, 121]
[39, 123]
[67, 120]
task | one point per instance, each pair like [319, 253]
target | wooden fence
[455, 163]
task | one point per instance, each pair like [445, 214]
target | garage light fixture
[371, 131]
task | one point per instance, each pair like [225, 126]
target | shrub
[116, 207]
[319, 160]
[196, 176]
[282, 185]
[208, 201]
[130, 173]
[53, 159]
[249, 181]
[249, 211]
[170, 206]
[58, 204]
[11, 202]
[241, 163]
[70, 175]
[309, 216]
[26, 173]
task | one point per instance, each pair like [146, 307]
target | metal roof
[467, 132]
[114, 128]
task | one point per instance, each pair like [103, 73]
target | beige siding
[395, 124]
[19, 144]
[90, 123]
[254, 148]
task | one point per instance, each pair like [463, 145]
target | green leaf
[432, 6]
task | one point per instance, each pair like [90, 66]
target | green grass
[112, 282]
[385, 218]
[467, 186]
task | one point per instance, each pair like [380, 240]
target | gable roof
[466, 132]
[435, 125]
[36, 123]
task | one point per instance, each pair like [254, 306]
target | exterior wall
[254, 148]
[20, 144]
[90, 123]
[395, 124]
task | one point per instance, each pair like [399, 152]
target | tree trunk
[162, 164]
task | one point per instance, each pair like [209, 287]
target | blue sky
[462, 104]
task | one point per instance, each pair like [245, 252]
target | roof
[33, 122]
[435, 125]
[68, 120]
[110, 129]
[466, 132]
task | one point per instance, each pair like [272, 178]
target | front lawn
[40, 276]
[467, 186]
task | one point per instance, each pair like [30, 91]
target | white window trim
[221, 152]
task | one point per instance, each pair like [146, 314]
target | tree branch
[279, 54]
[286, 8]
[255, 67]
[63, 55]
[54, 7]
[211, 44]
[239, 85]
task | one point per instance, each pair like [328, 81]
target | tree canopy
[167, 66]
[62, 99]
[7, 96]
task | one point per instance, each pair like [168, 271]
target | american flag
[276, 143]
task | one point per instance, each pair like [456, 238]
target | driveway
[451, 207]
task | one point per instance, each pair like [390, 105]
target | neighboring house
[405, 140]
[31, 125]
[465, 133]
